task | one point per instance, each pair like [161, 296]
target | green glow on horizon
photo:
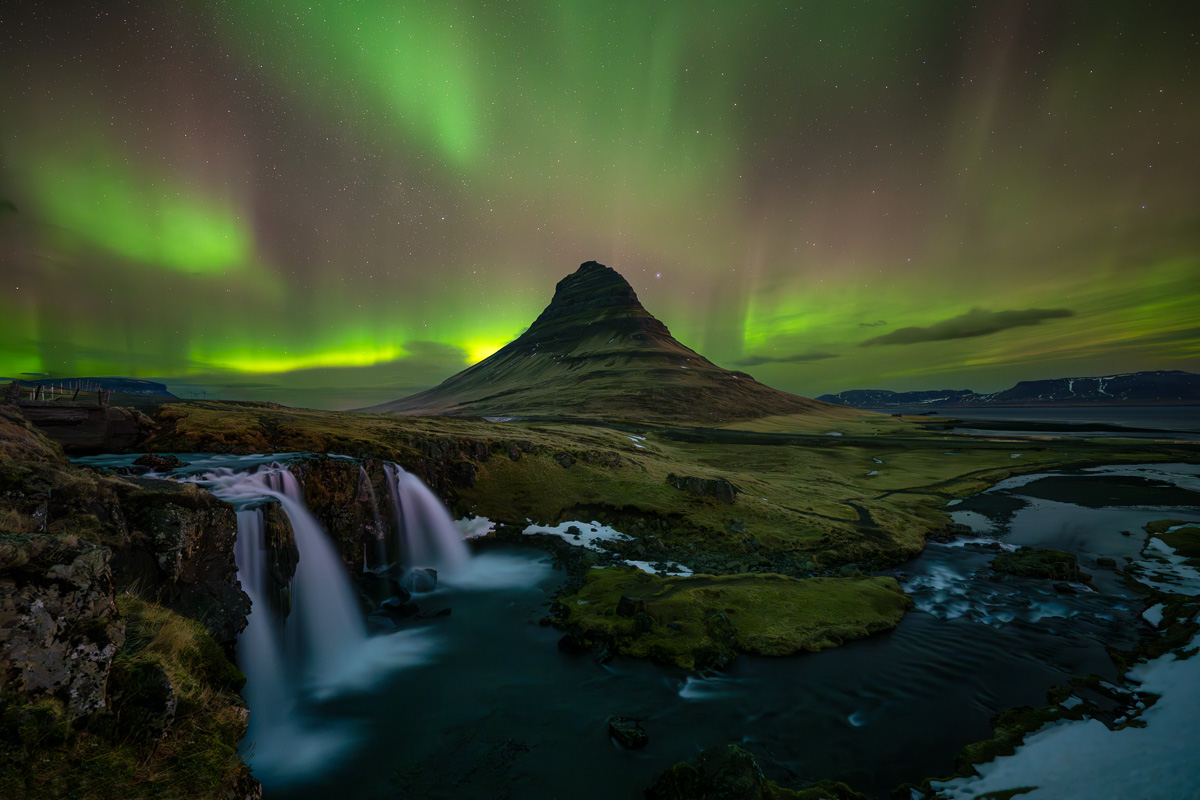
[254, 360]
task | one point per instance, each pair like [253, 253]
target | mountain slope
[596, 353]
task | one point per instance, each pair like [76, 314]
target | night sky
[336, 204]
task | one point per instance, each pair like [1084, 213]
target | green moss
[170, 730]
[1161, 525]
[1184, 541]
[1009, 729]
[705, 619]
[1033, 562]
[822, 790]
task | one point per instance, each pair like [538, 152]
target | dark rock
[627, 733]
[720, 488]
[397, 609]
[730, 773]
[181, 553]
[60, 629]
[627, 606]
[570, 643]
[1064, 588]
[1105, 561]
[423, 579]
[679, 782]
[564, 459]
[159, 463]
[642, 623]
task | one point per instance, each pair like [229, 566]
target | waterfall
[329, 626]
[322, 646]
[425, 533]
[325, 629]
[380, 539]
[259, 646]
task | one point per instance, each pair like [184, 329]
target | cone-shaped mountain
[596, 353]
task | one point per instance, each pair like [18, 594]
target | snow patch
[1086, 759]
[672, 568]
[474, 527]
[589, 533]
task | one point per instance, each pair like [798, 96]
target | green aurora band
[336, 204]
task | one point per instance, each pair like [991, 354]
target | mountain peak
[595, 352]
[593, 293]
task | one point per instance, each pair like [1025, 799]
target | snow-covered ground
[1084, 758]
[587, 534]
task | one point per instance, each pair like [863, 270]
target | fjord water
[481, 703]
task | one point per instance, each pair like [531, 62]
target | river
[485, 705]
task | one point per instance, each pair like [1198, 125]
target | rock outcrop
[119, 606]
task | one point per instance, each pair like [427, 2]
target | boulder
[627, 733]
[57, 619]
[423, 579]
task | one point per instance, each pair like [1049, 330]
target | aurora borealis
[337, 204]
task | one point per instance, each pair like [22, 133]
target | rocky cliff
[119, 605]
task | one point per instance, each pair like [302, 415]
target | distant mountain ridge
[596, 353]
[113, 384]
[1162, 387]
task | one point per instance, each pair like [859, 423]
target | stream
[481, 703]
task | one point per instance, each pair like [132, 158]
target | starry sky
[333, 204]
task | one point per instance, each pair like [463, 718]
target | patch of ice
[1071, 702]
[1154, 614]
[872, 472]
[673, 568]
[1164, 570]
[876, 460]
[1086, 759]
[953, 502]
[589, 533]
[1015, 455]
[977, 522]
[833, 433]
[474, 527]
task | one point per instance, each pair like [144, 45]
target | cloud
[976, 322]
[874, 324]
[754, 361]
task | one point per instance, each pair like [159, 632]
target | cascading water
[321, 647]
[426, 535]
[259, 649]
[325, 624]
[364, 481]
